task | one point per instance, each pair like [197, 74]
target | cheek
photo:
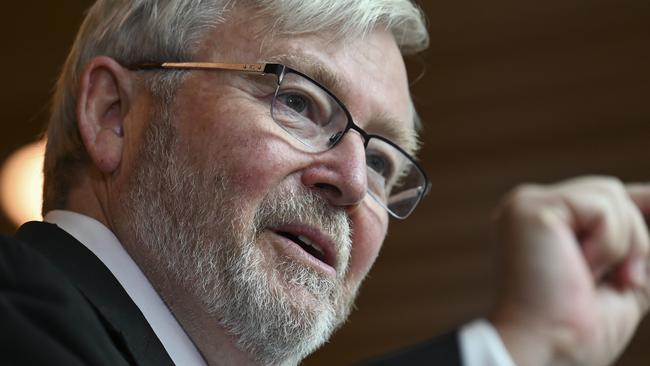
[368, 235]
[242, 142]
[249, 160]
[254, 164]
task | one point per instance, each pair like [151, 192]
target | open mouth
[307, 245]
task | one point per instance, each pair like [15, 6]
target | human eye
[304, 105]
[302, 101]
[386, 167]
[380, 164]
[297, 102]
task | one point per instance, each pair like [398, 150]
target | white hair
[349, 19]
[135, 31]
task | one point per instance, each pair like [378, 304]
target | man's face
[231, 203]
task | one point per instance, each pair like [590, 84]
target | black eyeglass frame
[280, 70]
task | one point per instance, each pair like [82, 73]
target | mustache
[297, 205]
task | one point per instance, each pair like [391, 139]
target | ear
[104, 93]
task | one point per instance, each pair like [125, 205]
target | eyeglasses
[314, 116]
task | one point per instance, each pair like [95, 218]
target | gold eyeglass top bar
[215, 65]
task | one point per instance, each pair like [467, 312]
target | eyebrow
[385, 126]
[315, 69]
[388, 127]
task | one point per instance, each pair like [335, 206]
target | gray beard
[191, 224]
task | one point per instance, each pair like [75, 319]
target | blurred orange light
[21, 183]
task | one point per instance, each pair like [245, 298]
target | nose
[339, 174]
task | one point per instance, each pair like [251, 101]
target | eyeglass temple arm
[259, 67]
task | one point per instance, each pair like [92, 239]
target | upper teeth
[309, 242]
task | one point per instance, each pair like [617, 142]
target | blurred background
[514, 91]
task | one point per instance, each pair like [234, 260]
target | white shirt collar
[105, 245]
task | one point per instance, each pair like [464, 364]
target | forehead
[367, 74]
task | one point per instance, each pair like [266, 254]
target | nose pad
[339, 174]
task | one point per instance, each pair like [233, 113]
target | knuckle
[605, 184]
[518, 202]
[524, 193]
[611, 186]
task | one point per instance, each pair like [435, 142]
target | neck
[87, 199]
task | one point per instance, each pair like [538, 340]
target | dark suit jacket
[59, 305]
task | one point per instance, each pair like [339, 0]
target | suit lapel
[89, 275]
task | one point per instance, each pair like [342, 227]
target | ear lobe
[102, 107]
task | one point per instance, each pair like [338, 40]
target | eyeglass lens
[310, 114]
